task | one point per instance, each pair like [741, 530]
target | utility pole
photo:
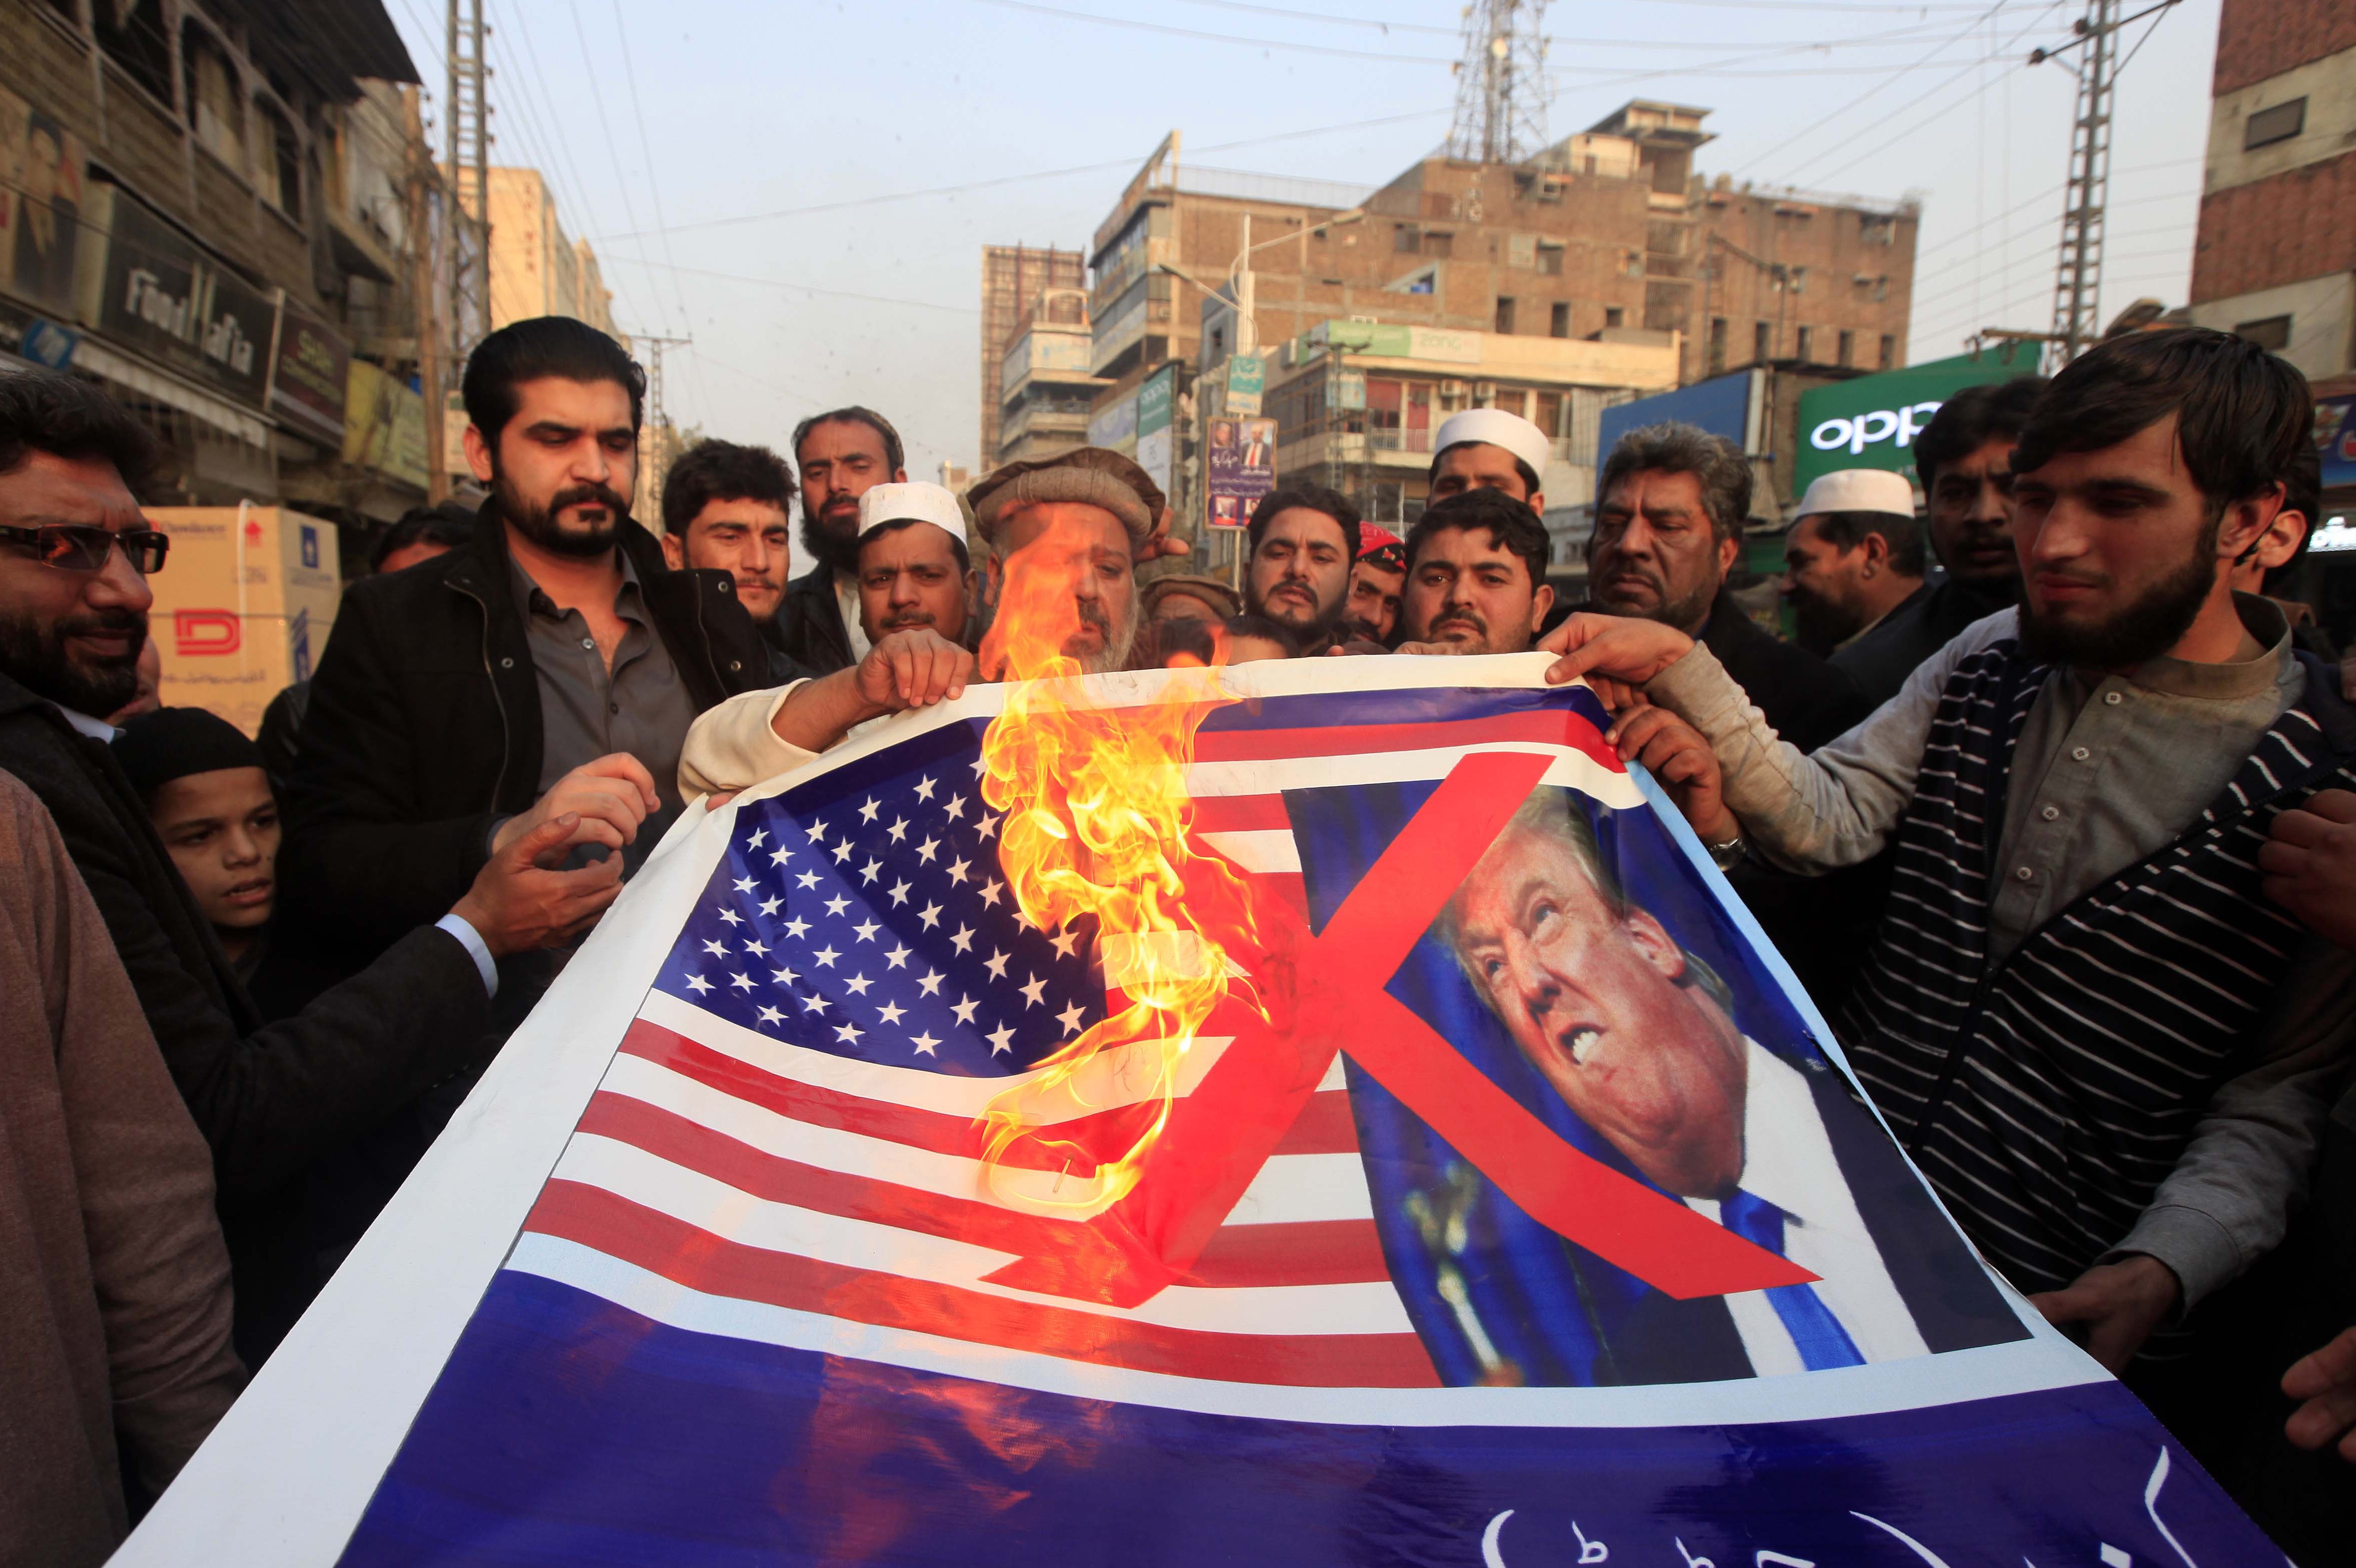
[658, 464]
[2078, 272]
[424, 242]
[467, 110]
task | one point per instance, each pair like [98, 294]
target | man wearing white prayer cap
[1489, 449]
[1853, 557]
[914, 567]
[912, 617]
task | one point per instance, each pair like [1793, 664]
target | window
[2279, 123]
[1613, 316]
[138, 42]
[1558, 319]
[1405, 238]
[1889, 352]
[1436, 243]
[1762, 341]
[1717, 345]
[280, 167]
[1548, 417]
[1511, 400]
[1551, 261]
[1846, 353]
[215, 108]
[1801, 350]
[1505, 316]
[2271, 333]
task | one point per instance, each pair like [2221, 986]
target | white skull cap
[1859, 490]
[1496, 427]
[913, 501]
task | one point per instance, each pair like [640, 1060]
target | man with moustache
[914, 567]
[270, 1098]
[1377, 578]
[2101, 1043]
[1965, 458]
[842, 454]
[1668, 529]
[1064, 533]
[1852, 558]
[1298, 571]
[1475, 576]
[725, 508]
[549, 666]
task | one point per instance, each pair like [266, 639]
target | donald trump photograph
[1637, 1039]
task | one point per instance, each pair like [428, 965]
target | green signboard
[1871, 422]
[1246, 379]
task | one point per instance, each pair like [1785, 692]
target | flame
[1095, 830]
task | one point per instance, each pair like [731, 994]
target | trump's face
[1593, 999]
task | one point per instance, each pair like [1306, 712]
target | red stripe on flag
[1553, 727]
[1339, 1252]
[700, 1260]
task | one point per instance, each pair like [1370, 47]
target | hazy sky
[801, 188]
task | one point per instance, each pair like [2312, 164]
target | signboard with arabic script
[800, 1225]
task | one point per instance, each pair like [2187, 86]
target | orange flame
[1096, 814]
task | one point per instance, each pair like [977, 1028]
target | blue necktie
[1822, 1341]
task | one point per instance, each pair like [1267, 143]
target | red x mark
[1217, 1138]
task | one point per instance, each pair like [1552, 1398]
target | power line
[801, 288]
[654, 186]
[1804, 134]
[606, 128]
[970, 186]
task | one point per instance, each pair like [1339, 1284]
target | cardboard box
[243, 605]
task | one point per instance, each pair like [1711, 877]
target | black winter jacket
[270, 1098]
[424, 731]
[810, 623]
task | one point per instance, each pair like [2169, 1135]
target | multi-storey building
[2275, 257]
[204, 206]
[536, 269]
[1012, 277]
[1604, 268]
[1045, 390]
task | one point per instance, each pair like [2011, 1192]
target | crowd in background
[2049, 804]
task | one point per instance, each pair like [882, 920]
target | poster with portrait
[1241, 460]
[1512, 1206]
[42, 167]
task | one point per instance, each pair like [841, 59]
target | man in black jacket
[1667, 531]
[549, 666]
[841, 454]
[74, 554]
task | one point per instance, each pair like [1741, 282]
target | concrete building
[204, 210]
[1012, 277]
[2275, 257]
[536, 270]
[1045, 391]
[1608, 241]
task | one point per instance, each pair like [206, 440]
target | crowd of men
[2051, 807]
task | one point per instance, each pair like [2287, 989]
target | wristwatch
[1731, 854]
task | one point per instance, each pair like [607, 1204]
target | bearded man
[550, 665]
[2101, 1043]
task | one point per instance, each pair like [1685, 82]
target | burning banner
[1323, 1112]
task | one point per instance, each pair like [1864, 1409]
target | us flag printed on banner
[1514, 1208]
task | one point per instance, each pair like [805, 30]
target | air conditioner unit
[1485, 392]
[1451, 388]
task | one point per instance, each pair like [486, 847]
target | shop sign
[308, 375]
[157, 292]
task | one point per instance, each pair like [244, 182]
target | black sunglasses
[77, 546]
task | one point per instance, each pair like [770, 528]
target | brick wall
[2259, 38]
[2291, 226]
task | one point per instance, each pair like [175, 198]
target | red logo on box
[202, 634]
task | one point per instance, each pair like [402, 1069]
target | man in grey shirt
[2110, 1055]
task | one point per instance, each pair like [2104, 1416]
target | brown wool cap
[1209, 589]
[1090, 474]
